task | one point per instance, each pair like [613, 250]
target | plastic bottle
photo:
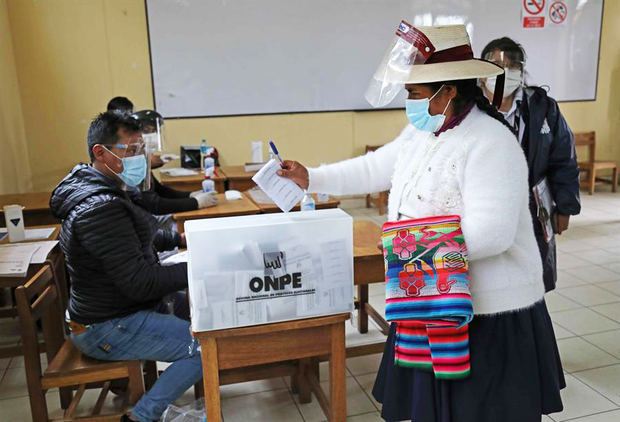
[208, 185]
[203, 154]
[307, 203]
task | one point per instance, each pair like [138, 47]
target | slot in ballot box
[258, 269]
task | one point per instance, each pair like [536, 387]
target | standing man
[546, 140]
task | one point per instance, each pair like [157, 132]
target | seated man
[117, 305]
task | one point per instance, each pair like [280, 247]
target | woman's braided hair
[468, 91]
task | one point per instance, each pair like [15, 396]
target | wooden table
[55, 258]
[368, 267]
[239, 353]
[193, 182]
[224, 208]
[36, 207]
[238, 179]
[271, 208]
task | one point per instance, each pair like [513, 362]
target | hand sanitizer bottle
[203, 154]
[307, 203]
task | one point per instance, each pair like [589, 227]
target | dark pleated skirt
[516, 375]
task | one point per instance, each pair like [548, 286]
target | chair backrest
[39, 300]
[587, 139]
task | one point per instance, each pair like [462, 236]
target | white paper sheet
[15, 259]
[175, 259]
[178, 171]
[43, 249]
[33, 234]
[284, 192]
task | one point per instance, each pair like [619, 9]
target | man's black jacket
[550, 151]
[110, 241]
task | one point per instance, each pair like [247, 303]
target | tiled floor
[585, 309]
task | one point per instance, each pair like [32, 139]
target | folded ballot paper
[264, 268]
[284, 192]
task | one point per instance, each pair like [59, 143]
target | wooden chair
[381, 199]
[67, 369]
[590, 167]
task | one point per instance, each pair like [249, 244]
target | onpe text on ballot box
[264, 268]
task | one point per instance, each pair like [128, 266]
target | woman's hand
[296, 172]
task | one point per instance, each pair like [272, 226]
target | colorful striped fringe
[427, 294]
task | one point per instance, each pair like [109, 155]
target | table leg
[301, 381]
[211, 378]
[337, 384]
[362, 315]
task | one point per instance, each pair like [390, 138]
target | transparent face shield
[506, 59]
[134, 162]
[409, 47]
[513, 69]
[153, 135]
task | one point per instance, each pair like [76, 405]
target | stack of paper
[15, 258]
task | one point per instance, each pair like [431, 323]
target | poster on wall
[557, 13]
[533, 14]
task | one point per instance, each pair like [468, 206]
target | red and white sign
[534, 7]
[558, 12]
[532, 14]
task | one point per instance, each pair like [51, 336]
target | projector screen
[236, 57]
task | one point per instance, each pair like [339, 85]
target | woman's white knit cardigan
[476, 170]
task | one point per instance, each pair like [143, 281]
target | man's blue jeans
[149, 335]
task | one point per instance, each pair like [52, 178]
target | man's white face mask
[514, 78]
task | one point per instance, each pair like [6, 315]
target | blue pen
[275, 151]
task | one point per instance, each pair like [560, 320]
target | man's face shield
[153, 135]
[131, 164]
[409, 47]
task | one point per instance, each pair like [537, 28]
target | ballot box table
[224, 208]
[193, 182]
[275, 350]
[36, 207]
[56, 260]
[238, 178]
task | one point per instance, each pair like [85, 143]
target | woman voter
[452, 160]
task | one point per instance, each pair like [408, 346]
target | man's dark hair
[120, 103]
[505, 44]
[104, 129]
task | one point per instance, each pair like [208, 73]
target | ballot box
[264, 268]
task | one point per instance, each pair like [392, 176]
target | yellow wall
[72, 56]
[14, 164]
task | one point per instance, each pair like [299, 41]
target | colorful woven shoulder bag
[427, 294]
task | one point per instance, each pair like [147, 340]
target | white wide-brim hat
[442, 65]
[427, 54]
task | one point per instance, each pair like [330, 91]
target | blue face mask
[134, 169]
[420, 118]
